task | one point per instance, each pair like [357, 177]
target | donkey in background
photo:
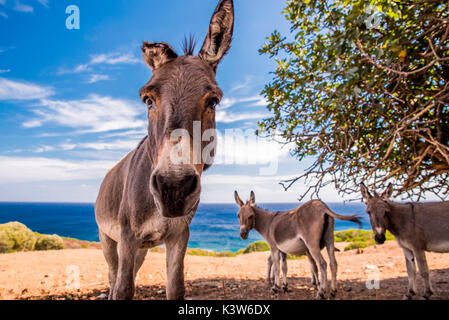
[304, 230]
[147, 199]
[417, 227]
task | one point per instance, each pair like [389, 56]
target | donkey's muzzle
[244, 233]
[379, 238]
[176, 193]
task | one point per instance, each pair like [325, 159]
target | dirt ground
[58, 274]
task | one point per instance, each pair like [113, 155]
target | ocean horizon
[214, 227]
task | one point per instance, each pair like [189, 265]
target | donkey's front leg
[283, 257]
[176, 250]
[276, 260]
[124, 286]
[269, 265]
[424, 272]
[411, 272]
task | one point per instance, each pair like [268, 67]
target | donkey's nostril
[156, 183]
[189, 184]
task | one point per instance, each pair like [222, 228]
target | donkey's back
[432, 225]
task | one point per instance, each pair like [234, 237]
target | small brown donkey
[150, 197]
[417, 227]
[304, 230]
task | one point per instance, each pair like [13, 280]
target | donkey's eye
[212, 103]
[149, 102]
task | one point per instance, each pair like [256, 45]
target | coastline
[15, 236]
[214, 228]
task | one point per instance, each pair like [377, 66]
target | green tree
[362, 88]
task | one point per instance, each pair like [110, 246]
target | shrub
[356, 245]
[210, 253]
[389, 236]
[49, 242]
[225, 254]
[241, 251]
[15, 236]
[258, 246]
[353, 235]
[5, 246]
[293, 257]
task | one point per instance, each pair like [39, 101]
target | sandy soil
[52, 275]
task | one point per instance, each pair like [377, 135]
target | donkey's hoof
[426, 295]
[285, 288]
[409, 295]
[274, 289]
[320, 296]
[333, 293]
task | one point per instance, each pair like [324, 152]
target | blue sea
[214, 227]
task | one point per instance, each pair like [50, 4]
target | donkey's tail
[354, 218]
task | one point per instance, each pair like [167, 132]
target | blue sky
[69, 108]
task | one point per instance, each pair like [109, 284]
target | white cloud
[4, 15]
[93, 114]
[97, 77]
[230, 102]
[245, 85]
[23, 7]
[259, 102]
[32, 124]
[244, 148]
[115, 145]
[23, 169]
[5, 70]
[2, 1]
[44, 149]
[228, 179]
[43, 2]
[113, 58]
[219, 188]
[19, 90]
[128, 133]
[229, 117]
[98, 59]
[103, 145]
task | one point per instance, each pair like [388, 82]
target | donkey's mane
[141, 142]
[188, 45]
[261, 208]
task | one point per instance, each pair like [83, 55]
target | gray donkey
[417, 227]
[304, 230]
[150, 197]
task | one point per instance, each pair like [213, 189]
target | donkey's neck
[401, 216]
[263, 221]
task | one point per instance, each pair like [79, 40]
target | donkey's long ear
[219, 37]
[237, 199]
[388, 192]
[252, 199]
[365, 193]
[157, 54]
